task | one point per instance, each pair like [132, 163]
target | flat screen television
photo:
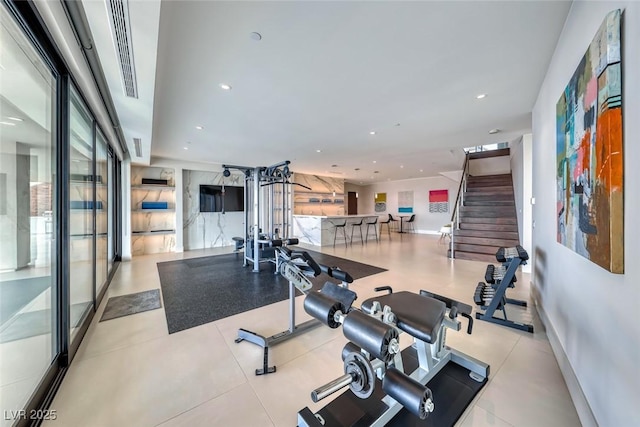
[213, 199]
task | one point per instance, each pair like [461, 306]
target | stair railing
[455, 216]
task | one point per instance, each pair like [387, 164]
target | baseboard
[427, 232]
[575, 390]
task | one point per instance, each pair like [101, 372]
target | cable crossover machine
[266, 211]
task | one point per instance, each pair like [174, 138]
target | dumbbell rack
[491, 297]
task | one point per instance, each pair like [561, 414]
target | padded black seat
[419, 316]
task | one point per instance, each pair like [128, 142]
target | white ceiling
[325, 74]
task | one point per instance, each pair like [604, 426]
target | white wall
[425, 222]
[591, 314]
[489, 166]
[522, 187]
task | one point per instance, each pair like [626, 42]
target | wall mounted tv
[212, 199]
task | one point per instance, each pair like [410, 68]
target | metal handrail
[462, 188]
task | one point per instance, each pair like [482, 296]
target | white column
[179, 225]
[126, 209]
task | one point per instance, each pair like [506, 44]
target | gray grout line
[246, 378]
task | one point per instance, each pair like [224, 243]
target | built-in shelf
[319, 203]
[153, 187]
[152, 233]
[153, 207]
[88, 183]
[81, 236]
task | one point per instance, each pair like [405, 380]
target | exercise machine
[490, 296]
[267, 211]
[388, 386]
[297, 266]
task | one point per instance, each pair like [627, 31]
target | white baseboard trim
[575, 390]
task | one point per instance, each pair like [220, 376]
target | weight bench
[389, 386]
[296, 266]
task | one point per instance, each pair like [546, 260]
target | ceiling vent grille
[118, 11]
[137, 143]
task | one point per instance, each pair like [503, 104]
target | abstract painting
[405, 201]
[380, 200]
[439, 201]
[590, 188]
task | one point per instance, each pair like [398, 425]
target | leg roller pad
[370, 334]
[408, 392]
[323, 308]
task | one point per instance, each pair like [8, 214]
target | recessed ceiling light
[225, 86]
[482, 95]
[318, 151]
[421, 170]
[199, 127]
[186, 148]
[494, 131]
[372, 132]
[374, 161]
[255, 36]
[17, 119]
[8, 123]
[401, 166]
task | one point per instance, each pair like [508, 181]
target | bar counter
[319, 230]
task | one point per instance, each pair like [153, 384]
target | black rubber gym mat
[201, 290]
[452, 388]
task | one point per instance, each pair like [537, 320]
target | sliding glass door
[102, 208]
[82, 190]
[28, 218]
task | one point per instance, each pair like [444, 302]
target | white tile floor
[130, 372]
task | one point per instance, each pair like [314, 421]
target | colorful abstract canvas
[405, 201]
[589, 153]
[380, 201]
[439, 201]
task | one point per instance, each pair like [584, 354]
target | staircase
[488, 218]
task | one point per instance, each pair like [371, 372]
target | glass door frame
[27, 18]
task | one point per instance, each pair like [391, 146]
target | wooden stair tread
[480, 249]
[472, 256]
[494, 234]
[487, 202]
[485, 241]
[490, 190]
[489, 227]
[479, 197]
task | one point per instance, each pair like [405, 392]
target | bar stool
[388, 224]
[410, 222]
[335, 232]
[373, 223]
[359, 225]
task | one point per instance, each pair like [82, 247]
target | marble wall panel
[326, 196]
[139, 172]
[153, 244]
[208, 229]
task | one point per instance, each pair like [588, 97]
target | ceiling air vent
[137, 143]
[118, 11]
